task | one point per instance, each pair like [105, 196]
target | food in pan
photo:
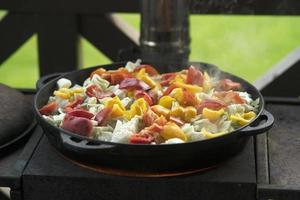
[137, 105]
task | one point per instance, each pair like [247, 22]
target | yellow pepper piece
[62, 94]
[238, 119]
[171, 130]
[209, 135]
[189, 87]
[212, 115]
[160, 110]
[179, 78]
[189, 113]
[243, 119]
[139, 107]
[77, 90]
[117, 111]
[249, 115]
[177, 112]
[166, 101]
[177, 93]
[110, 103]
[144, 77]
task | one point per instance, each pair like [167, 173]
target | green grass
[243, 45]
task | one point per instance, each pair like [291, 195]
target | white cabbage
[235, 108]
[115, 89]
[100, 82]
[205, 123]
[64, 83]
[203, 95]
[126, 102]
[190, 132]
[103, 133]
[87, 82]
[246, 96]
[123, 130]
[130, 66]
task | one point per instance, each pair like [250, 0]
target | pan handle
[45, 79]
[82, 144]
[262, 124]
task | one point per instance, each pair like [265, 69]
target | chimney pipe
[165, 33]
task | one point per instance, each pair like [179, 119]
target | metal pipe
[165, 33]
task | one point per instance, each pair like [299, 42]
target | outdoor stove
[268, 168]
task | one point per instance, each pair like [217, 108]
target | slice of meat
[79, 125]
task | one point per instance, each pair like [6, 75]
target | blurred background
[243, 45]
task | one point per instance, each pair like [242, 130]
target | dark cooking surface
[279, 177]
[236, 177]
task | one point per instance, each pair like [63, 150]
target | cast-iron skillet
[149, 158]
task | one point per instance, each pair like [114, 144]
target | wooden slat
[104, 35]
[71, 6]
[15, 29]
[262, 161]
[278, 192]
[259, 7]
[57, 43]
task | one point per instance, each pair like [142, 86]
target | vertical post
[165, 33]
[57, 43]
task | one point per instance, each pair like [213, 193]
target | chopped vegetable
[228, 84]
[48, 109]
[95, 91]
[137, 105]
[171, 130]
[134, 84]
[79, 125]
[194, 76]
[143, 138]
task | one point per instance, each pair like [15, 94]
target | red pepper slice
[116, 76]
[194, 76]
[166, 78]
[79, 125]
[76, 102]
[161, 121]
[170, 89]
[148, 68]
[94, 91]
[103, 116]
[176, 120]
[48, 109]
[227, 84]
[142, 94]
[81, 113]
[141, 138]
[133, 84]
[212, 104]
[153, 94]
[230, 97]
[154, 128]
[189, 99]
[149, 117]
